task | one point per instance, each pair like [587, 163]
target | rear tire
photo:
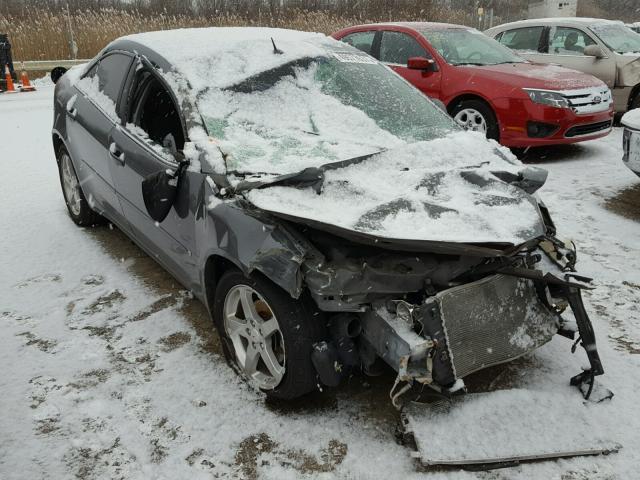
[77, 205]
[299, 327]
[473, 114]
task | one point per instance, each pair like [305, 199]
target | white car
[603, 48]
[631, 141]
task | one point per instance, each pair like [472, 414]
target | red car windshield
[459, 46]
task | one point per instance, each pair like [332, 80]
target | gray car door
[149, 141]
[91, 115]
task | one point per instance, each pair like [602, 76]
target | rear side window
[111, 73]
[398, 47]
[361, 40]
[523, 39]
[569, 41]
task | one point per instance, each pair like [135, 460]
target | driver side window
[398, 47]
[153, 114]
[569, 41]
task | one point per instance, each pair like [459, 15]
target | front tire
[477, 116]
[77, 205]
[267, 336]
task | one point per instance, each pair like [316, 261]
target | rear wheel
[79, 209]
[477, 116]
[267, 336]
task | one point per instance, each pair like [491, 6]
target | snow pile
[44, 81]
[440, 190]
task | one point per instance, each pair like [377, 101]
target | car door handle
[72, 111]
[116, 153]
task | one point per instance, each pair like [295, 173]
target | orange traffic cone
[9, 80]
[26, 85]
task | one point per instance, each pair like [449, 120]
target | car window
[398, 47]
[92, 71]
[111, 72]
[617, 37]
[361, 40]
[568, 41]
[467, 46]
[523, 39]
[153, 114]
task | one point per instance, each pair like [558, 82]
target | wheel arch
[58, 142]
[468, 96]
[215, 266]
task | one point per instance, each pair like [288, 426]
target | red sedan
[487, 87]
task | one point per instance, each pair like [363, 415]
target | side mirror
[421, 63]
[159, 191]
[593, 51]
[56, 73]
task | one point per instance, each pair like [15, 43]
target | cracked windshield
[318, 110]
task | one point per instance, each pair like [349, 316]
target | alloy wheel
[471, 119]
[257, 340]
[70, 185]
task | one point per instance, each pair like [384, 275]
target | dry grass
[43, 34]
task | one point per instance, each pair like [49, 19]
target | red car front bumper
[524, 123]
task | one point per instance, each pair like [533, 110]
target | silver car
[606, 49]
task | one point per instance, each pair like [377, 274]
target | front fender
[256, 241]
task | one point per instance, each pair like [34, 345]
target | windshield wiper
[309, 177]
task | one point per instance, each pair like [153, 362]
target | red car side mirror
[420, 63]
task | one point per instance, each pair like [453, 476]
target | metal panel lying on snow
[500, 427]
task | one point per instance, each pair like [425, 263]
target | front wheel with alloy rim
[79, 209]
[477, 116]
[267, 336]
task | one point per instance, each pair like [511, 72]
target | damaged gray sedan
[326, 212]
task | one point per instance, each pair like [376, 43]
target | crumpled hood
[449, 190]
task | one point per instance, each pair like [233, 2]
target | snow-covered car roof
[222, 56]
[576, 21]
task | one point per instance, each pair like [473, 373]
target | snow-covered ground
[110, 370]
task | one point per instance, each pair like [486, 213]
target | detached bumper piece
[501, 429]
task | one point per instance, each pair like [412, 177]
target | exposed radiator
[491, 321]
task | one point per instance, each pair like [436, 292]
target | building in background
[553, 8]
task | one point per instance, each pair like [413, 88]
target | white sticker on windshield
[354, 58]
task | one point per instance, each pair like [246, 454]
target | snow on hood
[438, 190]
[535, 75]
